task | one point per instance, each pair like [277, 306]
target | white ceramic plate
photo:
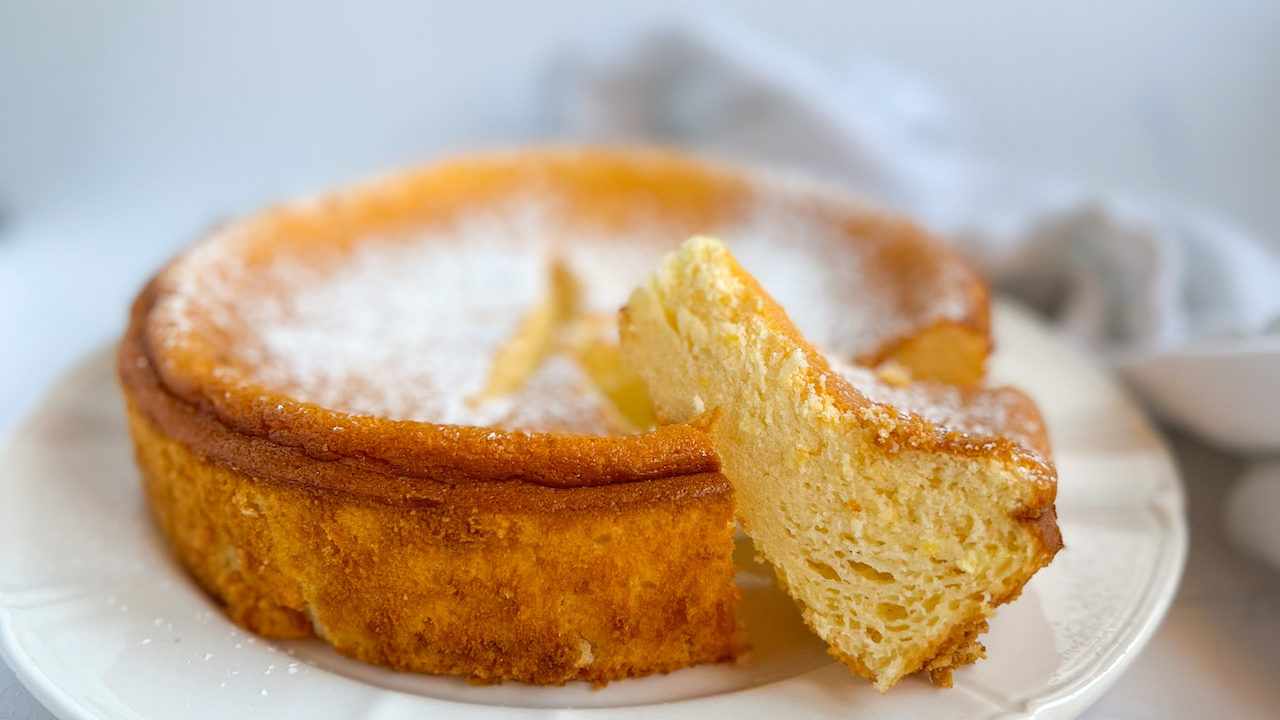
[98, 620]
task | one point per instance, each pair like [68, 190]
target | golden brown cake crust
[550, 461]
[534, 596]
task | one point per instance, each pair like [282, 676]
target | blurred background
[128, 128]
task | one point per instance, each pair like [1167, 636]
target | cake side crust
[489, 594]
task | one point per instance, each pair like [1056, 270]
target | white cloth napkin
[1139, 284]
[1119, 276]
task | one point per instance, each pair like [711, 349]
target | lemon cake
[396, 418]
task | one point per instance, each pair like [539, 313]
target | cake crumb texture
[898, 518]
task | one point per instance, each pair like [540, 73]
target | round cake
[396, 417]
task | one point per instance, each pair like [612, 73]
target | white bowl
[1227, 392]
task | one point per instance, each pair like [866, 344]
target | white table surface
[128, 128]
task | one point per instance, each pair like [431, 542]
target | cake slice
[898, 515]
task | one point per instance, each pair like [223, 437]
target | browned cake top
[369, 323]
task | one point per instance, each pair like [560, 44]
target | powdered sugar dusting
[982, 414]
[824, 288]
[844, 293]
[556, 398]
[407, 327]
[388, 333]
